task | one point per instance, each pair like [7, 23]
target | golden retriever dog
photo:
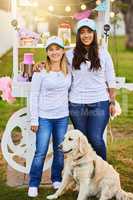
[93, 175]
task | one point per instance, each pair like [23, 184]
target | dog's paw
[53, 196]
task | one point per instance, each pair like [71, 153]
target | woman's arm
[110, 80]
[112, 95]
[34, 99]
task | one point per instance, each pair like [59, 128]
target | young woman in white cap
[92, 94]
[49, 113]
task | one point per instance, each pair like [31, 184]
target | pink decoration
[82, 15]
[28, 37]
[28, 58]
[6, 89]
[22, 78]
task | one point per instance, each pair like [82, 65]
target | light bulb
[35, 4]
[51, 8]
[83, 7]
[112, 14]
[67, 8]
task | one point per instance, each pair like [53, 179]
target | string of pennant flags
[59, 4]
[102, 7]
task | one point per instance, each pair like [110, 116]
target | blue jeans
[58, 128]
[91, 119]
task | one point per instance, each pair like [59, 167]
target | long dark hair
[92, 53]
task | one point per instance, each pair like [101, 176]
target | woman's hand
[112, 110]
[34, 128]
[39, 66]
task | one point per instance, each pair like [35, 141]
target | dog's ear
[83, 144]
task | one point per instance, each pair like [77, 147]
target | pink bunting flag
[82, 15]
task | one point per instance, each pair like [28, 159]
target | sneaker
[33, 192]
[56, 184]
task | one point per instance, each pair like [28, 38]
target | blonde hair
[63, 65]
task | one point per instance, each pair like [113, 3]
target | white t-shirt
[49, 95]
[91, 86]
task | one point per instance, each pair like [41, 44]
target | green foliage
[122, 57]
[120, 5]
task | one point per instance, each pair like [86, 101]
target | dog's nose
[60, 146]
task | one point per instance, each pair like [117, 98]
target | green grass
[21, 194]
[123, 124]
[6, 110]
[123, 58]
[120, 155]
[120, 152]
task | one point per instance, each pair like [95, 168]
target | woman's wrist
[112, 96]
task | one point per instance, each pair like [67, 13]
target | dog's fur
[93, 175]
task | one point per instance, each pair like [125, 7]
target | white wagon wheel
[26, 147]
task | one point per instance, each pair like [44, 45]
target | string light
[67, 8]
[112, 0]
[112, 14]
[51, 8]
[28, 3]
[98, 2]
[83, 6]
[35, 4]
[25, 3]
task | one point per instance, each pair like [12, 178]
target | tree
[126, 7]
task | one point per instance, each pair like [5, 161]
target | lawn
[120, 152]
[123, 59]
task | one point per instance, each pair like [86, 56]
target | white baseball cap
[54, 40]
[90, 23]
